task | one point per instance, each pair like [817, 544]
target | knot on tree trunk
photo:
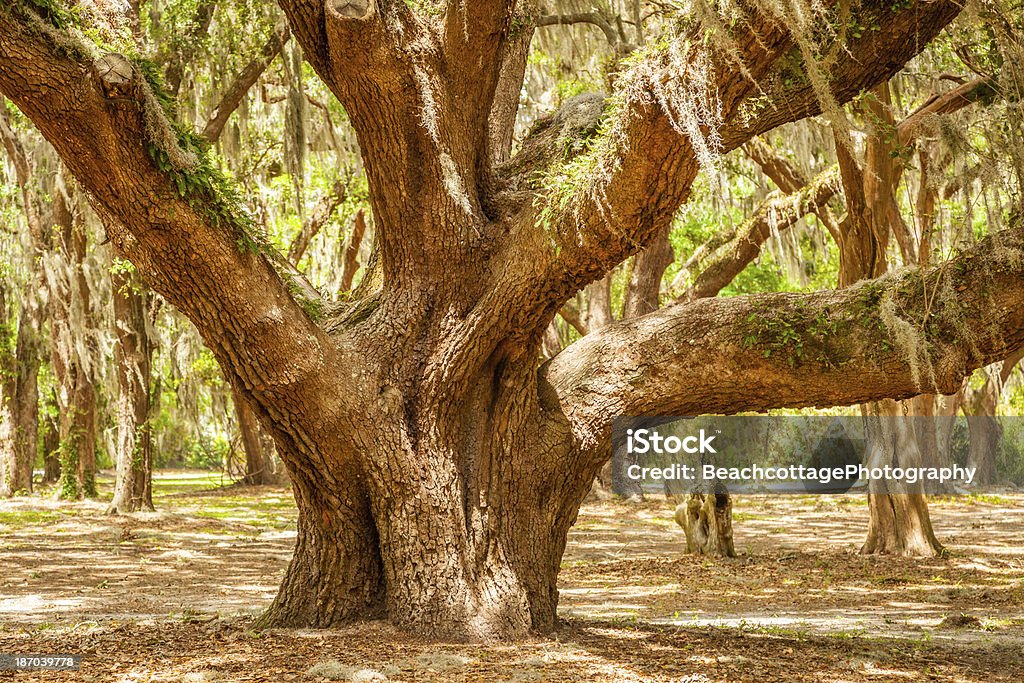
[115, 74]
[350, 9]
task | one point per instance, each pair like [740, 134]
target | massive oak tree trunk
[436, 464]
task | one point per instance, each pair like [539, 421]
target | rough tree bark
[644, 290]
[899, 523]
[436, 468]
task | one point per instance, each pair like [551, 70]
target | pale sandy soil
[171, 596]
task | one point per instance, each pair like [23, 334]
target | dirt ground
[172, 596]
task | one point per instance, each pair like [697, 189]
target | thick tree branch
[183, 237]
[247, 77]
[880, 339]
[636, 176]
[944, 103]
[475, 38]
[787, 177]
[423, 167]
[505, 106]
[570, 313]
[784, 173]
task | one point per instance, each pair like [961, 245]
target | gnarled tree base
[707, 522]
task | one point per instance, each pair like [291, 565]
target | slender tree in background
[133, 356]
[19, 365]
[436, 464]
[72, 343]
[20, 336]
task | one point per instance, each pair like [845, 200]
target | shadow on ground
[171, 596]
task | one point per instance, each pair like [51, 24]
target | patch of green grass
[176, 482]
[24, 518]
[990, 498]
[740, 516]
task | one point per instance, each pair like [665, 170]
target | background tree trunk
[26, 430]
[707, 521]
[986, 435]
[899, 523]
[986, 432]
[50, 436]
[260, 459]
[896, 524]
[133, 353]
[19, 395]
[70, 349]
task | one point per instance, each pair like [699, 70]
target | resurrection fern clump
[797, 331]
[180, 152]
[53, 12]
